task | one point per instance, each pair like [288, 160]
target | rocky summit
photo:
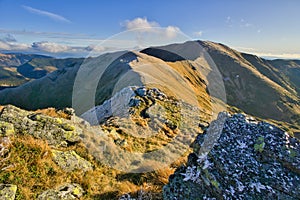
[250, 160]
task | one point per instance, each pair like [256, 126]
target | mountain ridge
[252, 84]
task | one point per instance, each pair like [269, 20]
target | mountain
[251, 83]
[17, 69]
[199, 72]
[17, 59]
[289, 71]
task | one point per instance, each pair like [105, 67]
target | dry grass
[34, 171]
[52, 112]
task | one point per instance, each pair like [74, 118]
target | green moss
[58, 121]
[260, 144]
[7, 129]
[293, 153]
[215, 183]
[68, 135]
[77, 191]
[68, 127]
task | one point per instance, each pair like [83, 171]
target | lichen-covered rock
[4, 148]
[7, 192]
[250, 160]
[6, 129]
[57, 131]
[64, 192]
[70, 161]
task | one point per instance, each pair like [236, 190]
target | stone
[249, 160]
[7, 191]
[70, 161]
[57, 131]
[6, 129]
[142, 91]
[64, 192]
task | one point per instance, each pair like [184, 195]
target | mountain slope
[188, 71]
[17, 69]
[252, 84]
[39, 67]
[17, 59]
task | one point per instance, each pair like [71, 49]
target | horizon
[60, 29]
[78, 56]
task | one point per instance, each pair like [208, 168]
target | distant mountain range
[17, 69]
[264, 88]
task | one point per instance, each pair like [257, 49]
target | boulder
[57, 131]
[64, 192]
[70, 161]
[7, 191]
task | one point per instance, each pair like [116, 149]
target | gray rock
[64, 192]
[249, 160]
[57, 131]
[142, 91]
[70, 161]
[6, 129]
[7, 192]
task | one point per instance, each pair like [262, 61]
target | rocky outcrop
[70, 161]
[117, 105]
[64, 192]
[57, 131]
[121, 102]
[250, 160]
[7, 192]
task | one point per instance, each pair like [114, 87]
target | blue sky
[267, 28]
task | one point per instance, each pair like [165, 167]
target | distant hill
[263, 88]
[17, 59]
[17, 69]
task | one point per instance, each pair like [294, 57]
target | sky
[267, 28]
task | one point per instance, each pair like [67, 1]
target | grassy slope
[252, 84]
[30, 166]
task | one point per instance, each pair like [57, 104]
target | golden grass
[34, 171]
[52, 112]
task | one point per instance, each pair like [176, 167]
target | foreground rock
[7, 192]
[64, 192]
[57, 131]
[70, 161]
[250, 160]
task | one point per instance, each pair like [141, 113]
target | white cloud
[8, 38]
[50, 47]
[279, 55]
[12, 46]
[198, 33]
[142, 25]
[268, 54]
[229, 21]
[171, 31]
[47, 14]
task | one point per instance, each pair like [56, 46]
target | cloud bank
[142, 25]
